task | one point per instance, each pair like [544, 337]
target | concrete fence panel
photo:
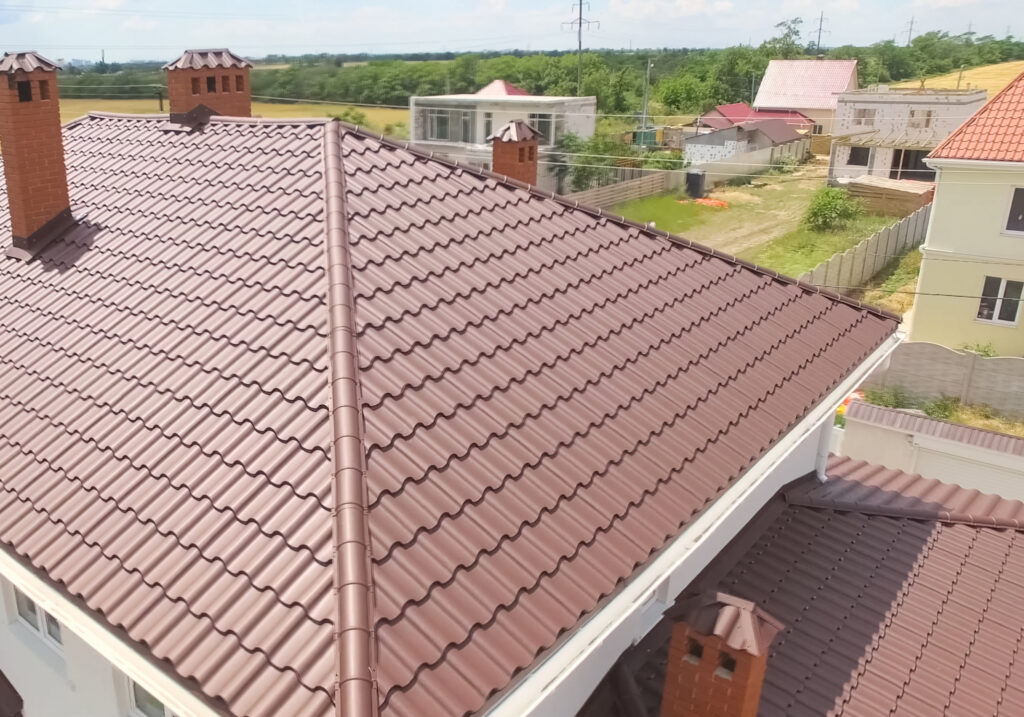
[858, 265]
[930, 371]
[612, 194]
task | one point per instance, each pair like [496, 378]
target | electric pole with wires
[578, 24]
[821, 29]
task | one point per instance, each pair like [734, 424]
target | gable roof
[725, 116]
[897, 595]
[805, 84]
[777, 130]
[500, 88]
[994, 133]
[261, 320]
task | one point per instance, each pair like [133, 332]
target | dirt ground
[762, 211]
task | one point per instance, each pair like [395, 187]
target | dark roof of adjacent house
[779, 131]
[805, 84]
[725, 116]
[922, 424]
[994, 133]
[898, 595]
[202, 59]
[258, 320]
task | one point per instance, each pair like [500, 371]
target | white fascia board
[120, 653]
[973, 164]
[563, 682]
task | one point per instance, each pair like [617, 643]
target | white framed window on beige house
[1000, 301]
[143, 704]
[38, 620]
[864, 117]
[1015, 220]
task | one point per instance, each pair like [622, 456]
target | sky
[138, 29]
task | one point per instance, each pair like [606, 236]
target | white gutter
[974, 164]
[562, 683]
[121, 654]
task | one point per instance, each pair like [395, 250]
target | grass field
[990, 77]
[893, 288]
[377, 117]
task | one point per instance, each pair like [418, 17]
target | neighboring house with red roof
[456, 127]
[295, 420]
[972, 268]
[810, 87]
[725, 116]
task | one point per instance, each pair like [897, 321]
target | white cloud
[137, 22]
[944, 3]
[635, 9]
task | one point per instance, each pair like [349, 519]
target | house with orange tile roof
[972, 268]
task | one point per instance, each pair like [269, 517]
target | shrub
[889, 397]
[985, 350]
[785, 165]
[830, 209]
[942, 408]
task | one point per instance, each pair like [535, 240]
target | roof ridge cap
[355, 691]
[649, 231]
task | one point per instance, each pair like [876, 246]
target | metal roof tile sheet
[993, 133]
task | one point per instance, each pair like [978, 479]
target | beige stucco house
[972, 272]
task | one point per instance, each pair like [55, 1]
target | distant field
[277, 66]
[377, 117]
[990, 77]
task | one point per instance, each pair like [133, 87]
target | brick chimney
[215, 79]
[33, 152]
[515, 151]
[717, 658]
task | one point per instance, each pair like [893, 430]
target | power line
[579, 23]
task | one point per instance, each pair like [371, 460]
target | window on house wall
[817, 129]
[38, 619]
[1000, 300]
[859, 156]
[450, 125]
[864, 117]
[1015, 222]
[488, 124]
[145, 704]
[543, 124]
[921, 119]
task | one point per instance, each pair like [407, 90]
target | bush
[889, 397]
[830, 209]
[942, 408]
[785, 165]
[985, 350]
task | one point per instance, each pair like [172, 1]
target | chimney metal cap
[207, 59]
[28, 61]
[514, 131]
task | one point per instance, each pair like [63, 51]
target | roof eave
[567, 673]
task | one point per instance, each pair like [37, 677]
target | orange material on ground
[712, 202]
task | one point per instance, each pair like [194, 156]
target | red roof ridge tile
[858, 486]
[356, 690]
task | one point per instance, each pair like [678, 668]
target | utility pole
[753, 79]
[960, 76]
[579, 23]
[647, 87]
[910, 31]
[821, 24]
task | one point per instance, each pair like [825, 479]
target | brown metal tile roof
[899, 596]
[26, 62]
[547, 396]
[917, 423]
[201, 59]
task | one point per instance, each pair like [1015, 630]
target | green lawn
[802, 249]
[893, 288]
[667, 213]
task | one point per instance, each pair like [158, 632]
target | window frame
[133, 707]
[920, 118]
[1000, 297]
[1009, 208]
[867, 159]
[867, 119]
[39, 626]
[548, 132]
[488, 124]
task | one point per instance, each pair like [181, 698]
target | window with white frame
[543, 124]
[145, 704]
[1015, 222]
[488, 124]
[921, 119]
[864, 117]
[1000, 300]
[38, 619]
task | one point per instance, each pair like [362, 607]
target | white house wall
[572, 115]
[73, 681]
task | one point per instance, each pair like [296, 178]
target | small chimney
[515, 151]
[215, 79]
[717, 658]
[33, 152]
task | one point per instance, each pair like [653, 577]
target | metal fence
[929, 371]
[854, 267]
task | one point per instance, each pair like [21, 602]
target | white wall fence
[740, 166]
[929, 371]
[854, 267]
